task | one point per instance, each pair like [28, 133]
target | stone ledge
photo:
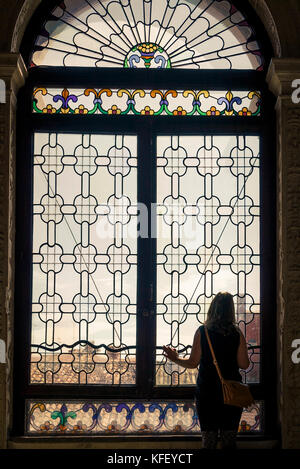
[281, 74]
[13, 71]
[131, 442]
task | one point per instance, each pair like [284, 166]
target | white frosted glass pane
[208, 239]
[83, 286]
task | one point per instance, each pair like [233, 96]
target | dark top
[225, 346]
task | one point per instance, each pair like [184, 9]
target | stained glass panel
[141, 102]
[197, 34]
[124, 417]
[84, 264]
[208, 211]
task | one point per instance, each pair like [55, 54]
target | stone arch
[265, 15]
[26, 11]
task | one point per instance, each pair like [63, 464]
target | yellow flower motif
[46, 427]
[81, 110]
[147, 48]
[113, 427]
[244, 426]
[147, 111]
[245, 112]
[114, 110]
[213, 112]
[179, 111]
[49, 109]
[178, 428]
[79, 427]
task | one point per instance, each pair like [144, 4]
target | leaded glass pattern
[124, 417]
[197, 34]
[208, 212]
[84, 262]
[105, 101]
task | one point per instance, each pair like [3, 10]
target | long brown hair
[221, 313]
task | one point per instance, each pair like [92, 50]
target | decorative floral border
[124, 418]
[141, 102]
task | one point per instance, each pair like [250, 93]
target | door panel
[84, 259]
[208, 224]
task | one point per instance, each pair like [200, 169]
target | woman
[231, 352]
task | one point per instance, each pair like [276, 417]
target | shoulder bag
[234, 393]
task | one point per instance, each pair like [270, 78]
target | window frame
[27, 123]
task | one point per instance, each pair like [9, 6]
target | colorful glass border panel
[124, 417]
[106, 101]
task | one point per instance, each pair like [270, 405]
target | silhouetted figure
[231, 353]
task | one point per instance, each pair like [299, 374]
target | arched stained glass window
[205, 34]
[146, 192]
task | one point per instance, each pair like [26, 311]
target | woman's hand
[171, 353]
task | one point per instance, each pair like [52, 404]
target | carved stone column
[281, 75]
[12, 77]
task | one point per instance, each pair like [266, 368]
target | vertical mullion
[145, 332]
[153, 249]
[23, 264]
[268, 184]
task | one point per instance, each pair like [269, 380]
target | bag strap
[213, 355]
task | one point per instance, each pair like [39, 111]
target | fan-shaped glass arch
[205, 34]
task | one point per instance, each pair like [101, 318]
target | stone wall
[12, 71]
[281, 75]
